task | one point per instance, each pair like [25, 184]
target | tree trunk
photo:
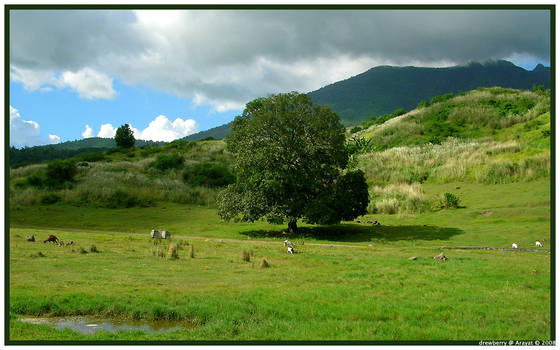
[292, 227]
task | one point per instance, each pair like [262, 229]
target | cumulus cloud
[23, 132]
[53, 139]
[162, 129]
[89, 83]
[88, 132]
[107, 131]
[27, 133]
[226, 58]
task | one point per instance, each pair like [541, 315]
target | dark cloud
[229, 57]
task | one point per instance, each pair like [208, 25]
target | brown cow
[51, 238]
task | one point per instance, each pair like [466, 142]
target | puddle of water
[90, 325]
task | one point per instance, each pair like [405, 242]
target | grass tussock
[173, 251]
[264, 264]
[245, 256]
[398, 198]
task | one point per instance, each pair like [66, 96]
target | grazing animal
[52, 238]
[538, 244]
[514, 245]
[290, 250]
[31, 238]
[288, 244]
[440, 257]
[60, 243]
[376, 223]
[70, 243]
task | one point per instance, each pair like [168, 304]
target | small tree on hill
[289, 158]
[124, 137]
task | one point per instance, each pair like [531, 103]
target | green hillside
[486, 136]
[218, 133]
[68, 149]
[383, 89]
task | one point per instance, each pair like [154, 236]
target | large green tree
[124, 137]
[289, 161]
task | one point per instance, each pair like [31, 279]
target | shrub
[50, 198]
[208, 175]
[121, 199]
[60, 171]
[92, 157]
[355, 129]
[447, 201]
[165, 162]
[35, 180]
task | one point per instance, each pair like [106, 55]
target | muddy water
[90, 325]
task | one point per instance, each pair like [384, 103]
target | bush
[447, 201]
[121, 199]
[50, 198]
[60, 171]
[165, 162]
[355, 129]
[92, 157]
[208, 175]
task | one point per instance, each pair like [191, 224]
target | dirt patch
[486, 213]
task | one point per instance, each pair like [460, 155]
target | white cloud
[162, 129]
[27, 133]
[23, 132]
[89, 83]
[53, 139]
[107, 131]
[88, 132]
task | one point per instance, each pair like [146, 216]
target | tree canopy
[124, 137]
[289, 160]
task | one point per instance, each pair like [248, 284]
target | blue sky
[63, 113]
[172, 73]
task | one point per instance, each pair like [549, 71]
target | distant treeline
[38, 154]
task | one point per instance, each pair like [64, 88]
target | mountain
[219, 132]
[382, 89]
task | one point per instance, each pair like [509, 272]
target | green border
[8, 7]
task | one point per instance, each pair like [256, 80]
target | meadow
[337, 286]
[351, 281]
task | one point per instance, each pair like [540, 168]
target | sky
[170, 73]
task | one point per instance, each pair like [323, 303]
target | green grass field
[336, 288]
[490, 148]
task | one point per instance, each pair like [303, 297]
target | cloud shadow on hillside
[363, 233]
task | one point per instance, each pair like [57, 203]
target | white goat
[538, 244]
[290, 250]
[514, 245]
